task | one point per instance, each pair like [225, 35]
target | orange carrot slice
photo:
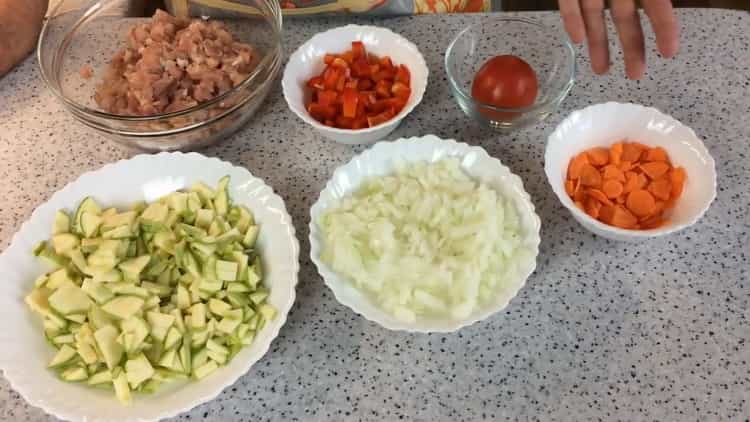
[590, 176]
[623, 218]
[631, 182]
[612, 188]
[677, 176]
[580, 194]
[610, 171]
[656, 154]
[655, 169]
[653, 222]
[631, 152]
[640, 202]
[620, 199]
[570, 188]
[576, 165]
[592, 207]
[579, 204]
[625, 165]
[615, 153]
[661, 188]
[606, 213]
[599, 196]
[598, 156]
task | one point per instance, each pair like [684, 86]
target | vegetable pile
[358, 90]
[162, 291]
[629, 185]
[426, 241]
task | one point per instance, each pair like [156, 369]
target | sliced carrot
[590, 176]
[653, 222]
[631, 152]
[592, 207]
[579, 194]
[640, 202]
[579, 204]
[625, 165]
[599, 196]
[606, 212]
[610, 171]
[669, 203]
[620, 199]
[570, 188]
[623, 218]
[631, 182]
[677, 176]
[576, 165]
[598, 156]
[656, 154]
[661, 188]
[615, 153]
[612, 188]
[655, 169]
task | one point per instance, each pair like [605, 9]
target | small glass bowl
[546, 49]
[82, 33]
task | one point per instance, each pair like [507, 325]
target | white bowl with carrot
[629, 172]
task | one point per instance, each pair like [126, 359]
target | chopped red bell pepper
[383, 89]
[401, 90]
[327, 98]
[344, 122]
[360, 68]
[358, 89]
[331, 77]
[383, 74]
[348, 57]
[358, 50]
[349, 100]
[315, 82]
[321, 112]
[380, 118]
[403, 75]
[365, 85]
[339, 62]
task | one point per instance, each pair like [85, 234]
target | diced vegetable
[167, 284]
[343, 95]
[426, 241]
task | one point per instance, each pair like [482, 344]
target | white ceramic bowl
[380, 160]
[605, 124]
[307, 62]
[25, 353]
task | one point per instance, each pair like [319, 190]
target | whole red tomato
[505, 81]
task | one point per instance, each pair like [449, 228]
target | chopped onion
[426, 241]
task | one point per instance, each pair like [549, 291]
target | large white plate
[24, 353]
[381, 159]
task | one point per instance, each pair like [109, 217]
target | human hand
[20, 23]
[584, 20]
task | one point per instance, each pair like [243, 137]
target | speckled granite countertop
[602, 331]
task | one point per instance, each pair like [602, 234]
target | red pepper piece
[403, 75]
[315, 82]
[400, 90]
[327, 98]
[383, 88]
[349, 100]
[358, 50]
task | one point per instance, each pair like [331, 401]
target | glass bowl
[546, 49]
[88, 33]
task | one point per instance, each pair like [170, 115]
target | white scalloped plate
[25, 353]
[380, 160]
